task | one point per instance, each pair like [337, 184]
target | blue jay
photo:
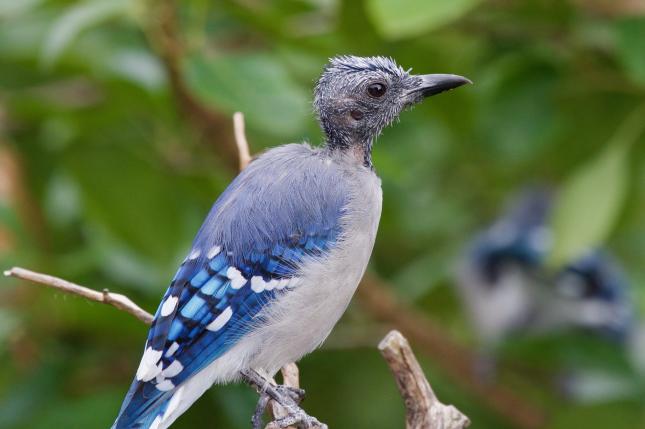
[593, 293]
[281, 252]
[506, 288]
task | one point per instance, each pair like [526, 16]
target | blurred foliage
[607, 176]
[104, 180]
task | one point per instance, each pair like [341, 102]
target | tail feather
[144, 407]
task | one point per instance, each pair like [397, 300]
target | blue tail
[142, 405]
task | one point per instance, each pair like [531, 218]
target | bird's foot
[260, 408]
[297, 417]
[287, 397]
[296, 394]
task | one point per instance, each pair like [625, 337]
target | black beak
[432, 84]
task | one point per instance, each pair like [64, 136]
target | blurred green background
[115, 139]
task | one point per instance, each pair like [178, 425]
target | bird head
[356, 97]
[596, 294]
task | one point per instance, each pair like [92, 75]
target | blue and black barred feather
[202, 298]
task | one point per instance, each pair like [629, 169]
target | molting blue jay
[281, 252]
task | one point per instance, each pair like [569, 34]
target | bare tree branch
[244, 154]
[290, 378]
[423, 409]
[116, 300]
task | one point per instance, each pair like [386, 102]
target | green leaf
[76, 19]
[630, 42]
[396, 19]
[137, 66]
[591, 199]
[256, 84]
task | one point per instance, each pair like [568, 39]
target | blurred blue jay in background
[507, 290]
[280, 254]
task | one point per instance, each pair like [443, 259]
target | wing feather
[241, 260]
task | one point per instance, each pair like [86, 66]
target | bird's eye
[357, 114]
[376, 90]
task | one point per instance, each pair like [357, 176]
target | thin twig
[244, 154]
[423, 409]
[116, 300]
[290, 378]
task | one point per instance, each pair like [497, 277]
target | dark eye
[376, 90]
[357, 114]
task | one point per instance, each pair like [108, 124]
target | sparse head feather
[350, 64]
[345, 69]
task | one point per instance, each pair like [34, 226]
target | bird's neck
[358, 148]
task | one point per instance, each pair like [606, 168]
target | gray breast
[302, 319]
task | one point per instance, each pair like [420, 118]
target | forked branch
[422, 408]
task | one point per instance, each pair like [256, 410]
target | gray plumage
[285, 191]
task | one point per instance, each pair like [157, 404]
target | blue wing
[242, 259]
[207, 309]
